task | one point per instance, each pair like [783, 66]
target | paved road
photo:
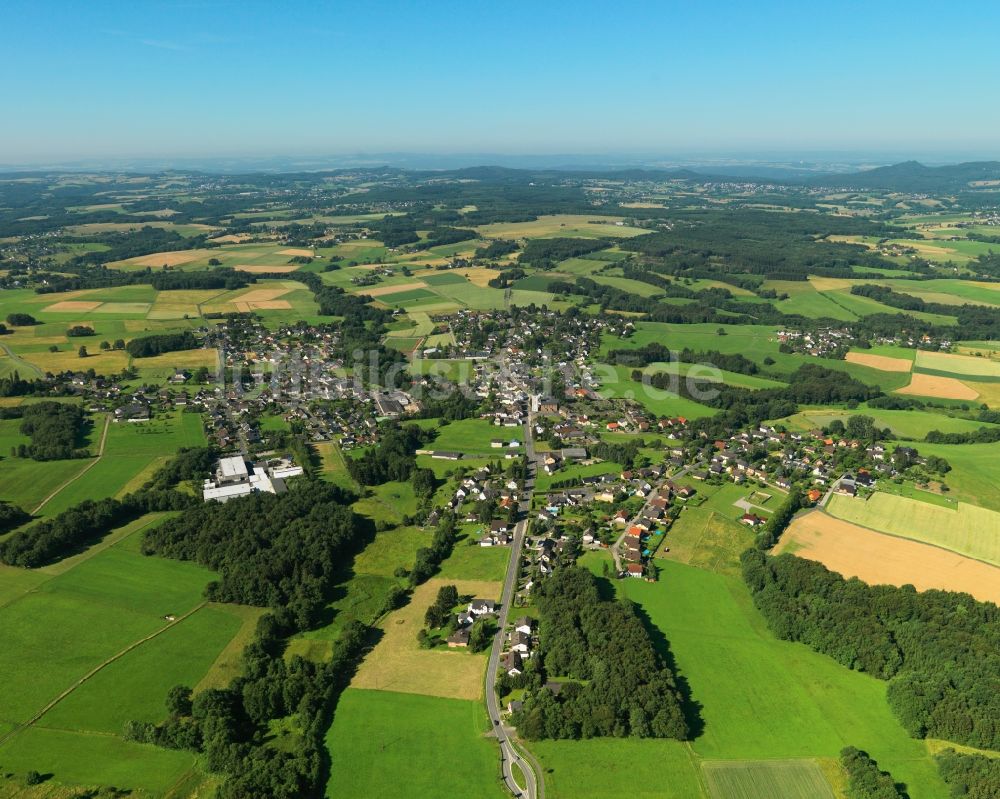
[518, 775]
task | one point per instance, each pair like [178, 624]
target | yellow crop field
[966, 529]
[397, 663]
[878, 559]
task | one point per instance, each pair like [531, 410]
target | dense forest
[393, 459]
[865, 780]
[619, 684]
[148, 346]
[11, 516]
[970, 776]
[55, 429]
[940, 651]
[270, 550]
[285, 552]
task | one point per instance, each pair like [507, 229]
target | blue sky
[189, 78]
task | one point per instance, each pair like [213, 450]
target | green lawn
[469, 561]
[975, 471]
[762, 698]
[616, 768]
[617, 382]
[386, 744]
[59, 623]
[788, 779]
[475, 435]
[910, 424]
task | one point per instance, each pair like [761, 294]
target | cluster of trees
[429, 558]
[393, 459]
[148, 346]
[21, 319]
[984, 435]
[780, 519]
[865, 780]
[11, 516]
[55, 429]
[974, 322]
[810, 384]
[229, 725]
[439, 613]
[658, 353]
[78, 527]
[970, 776]
[497, 249]
[625, 687]
[507, 278]
[940, 651]
[13, 385]
[756, 242]
[277, 551]
[80, 331]
[546, 253]
[222, 278]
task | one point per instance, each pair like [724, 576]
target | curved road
[518, 774]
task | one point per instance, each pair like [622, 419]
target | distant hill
[912, 176]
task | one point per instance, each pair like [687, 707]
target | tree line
[939, 650]
[148, 346]
[55, 429]
[619, 684]
[76, 528]
[270, 550]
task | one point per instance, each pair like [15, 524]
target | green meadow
[393, 744]
[763, 698]
[103, 613]
[758, 699]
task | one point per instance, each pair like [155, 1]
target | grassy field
[617, 383]
[619, 768]
[967, 529]
[911, 424]
[582, 226]
[788, 779]
[474, 436]
[469, 561]
[381, 741]
[95, 612]
[975, 471]
[755, 341]
[764, 699]
[397, 663]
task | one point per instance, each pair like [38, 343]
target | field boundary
[82, 472]
[94, 671]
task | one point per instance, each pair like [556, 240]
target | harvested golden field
[397, 663]
[381, 291]
[942, 387]
[876, 558]
[68, 359]
[261, 268]
[883, 362]
[299, 251]
[181, 359]
[262, 305]
[261, 295]
[170, 258]
[70, 306]
[131, 308]
[479, 276]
